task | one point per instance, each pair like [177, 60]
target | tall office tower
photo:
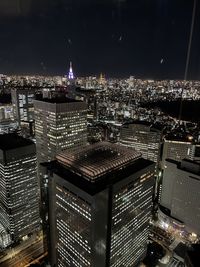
[22, 100]
[177, 149]
[99, 201]
[142, 137]
[60, 123]
[181, 192]
[19, 191]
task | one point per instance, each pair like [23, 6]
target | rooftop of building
[135, 122]
[57, 99]
[29, 87]
[187, 165]
[180, 250]
[94, 161]
[25, 89]
[193, 255]
[152, 126]
[12, 141]
[97, 166]
[178, 137]
[86, 91]
[183, 133]
[94, 187]
[5, 99]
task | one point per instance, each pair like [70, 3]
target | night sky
[145, 38]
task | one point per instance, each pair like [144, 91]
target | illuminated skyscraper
[19, 190]
[22, 100]
[181, 192]
[99, 205]
[70, 75]
[178, 149]
[60, 123]
[143, 137]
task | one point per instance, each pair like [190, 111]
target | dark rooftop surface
[100, 184]
[107, 168]
[12, 141]
[57, 100]
[178, 137]
[180, 250]
[135, 122]
[5, 98]
[95, 160]
[152, 126]
[86, 91]
[187, 165]
[25, 89]
[194, 255]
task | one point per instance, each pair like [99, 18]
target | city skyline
[99, 133]
[94, 135]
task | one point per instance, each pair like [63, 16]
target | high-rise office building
[143, 137]
[181, 192]
[19, 191]
[99, 205]
[178, 149]
[60, 123]
[22, 100]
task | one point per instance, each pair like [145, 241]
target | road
[25, 256]
[10, 252]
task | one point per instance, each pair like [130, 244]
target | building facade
[179, 149]
[142, 137]
[60, 123]
[181, 192]
[19, 190]
[99, 205]
[6, 112]
[22, 100]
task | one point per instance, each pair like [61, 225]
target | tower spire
[70, 75]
